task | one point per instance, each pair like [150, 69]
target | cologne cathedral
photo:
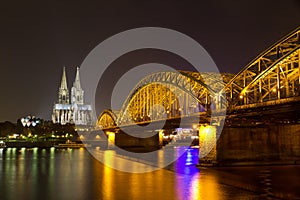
[74, 112]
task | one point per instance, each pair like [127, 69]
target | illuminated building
[29, 121]
[74, 111]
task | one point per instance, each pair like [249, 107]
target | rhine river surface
[75, 174]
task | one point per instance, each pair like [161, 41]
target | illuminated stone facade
[74, 111]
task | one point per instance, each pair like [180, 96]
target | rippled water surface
[75, 174]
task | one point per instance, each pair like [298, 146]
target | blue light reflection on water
[185, 168]
[187, 174]
[186, 163]
[189, 181]
[75, 174]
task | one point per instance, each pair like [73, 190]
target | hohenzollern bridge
[272, 78]
[266, 89]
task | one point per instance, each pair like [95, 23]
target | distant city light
[29, 121]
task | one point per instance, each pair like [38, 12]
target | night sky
[38, 38]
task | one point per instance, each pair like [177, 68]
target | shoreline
[32, 144]
[50, 144]
[248, 164]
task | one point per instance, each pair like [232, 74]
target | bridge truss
[170, 94]
[107, 119]
[273, 76]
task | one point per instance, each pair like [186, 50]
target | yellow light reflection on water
[13, 152]
[51, 170]
[117, 184]
[108, 180]
[34, 164]
[80, 168]
[208, 188]
[197, 187]
[19, 159]
[150, 182]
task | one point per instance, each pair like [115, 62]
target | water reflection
[186, 163]
[189, 182]
[121, 185]
[108, 180]
[75, 174]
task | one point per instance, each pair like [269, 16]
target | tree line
[44, 128]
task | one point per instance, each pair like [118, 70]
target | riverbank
[250, 163]
[32, 144]
[277, 181]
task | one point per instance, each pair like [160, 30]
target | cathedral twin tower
[75, 112]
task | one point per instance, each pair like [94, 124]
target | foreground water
[75, 174]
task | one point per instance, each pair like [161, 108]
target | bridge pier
[207, 144]
[278, 143]
[138, 144]
[111, 139]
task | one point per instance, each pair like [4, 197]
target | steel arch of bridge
[274, 75]
[106, 119]
[178, 93]
[268, 73]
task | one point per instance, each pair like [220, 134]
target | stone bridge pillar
[207, 144]
[111, 139]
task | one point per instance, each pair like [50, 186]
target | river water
[75, 174]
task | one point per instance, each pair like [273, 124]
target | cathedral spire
[77, 80]
[63, 94]
[76, 91]
[71, 110]
[63, 84]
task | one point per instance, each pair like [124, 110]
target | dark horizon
[37, 40]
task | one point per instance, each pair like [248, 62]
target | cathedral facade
[71, 109]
